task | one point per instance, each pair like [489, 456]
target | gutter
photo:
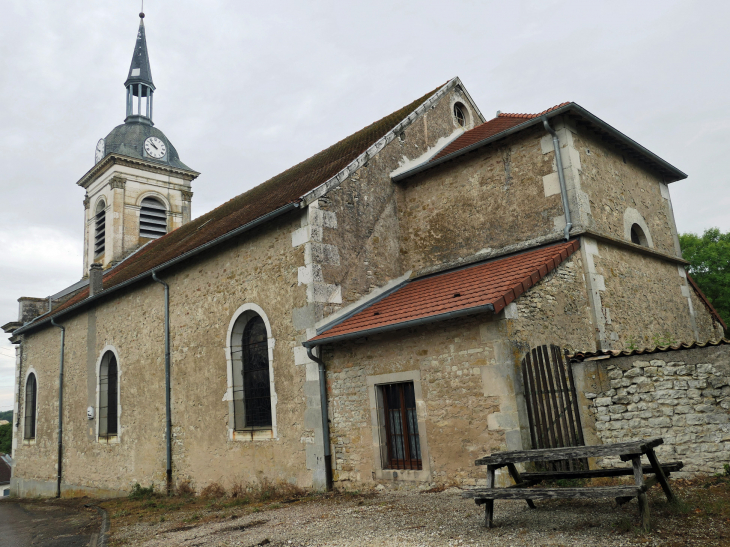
[168, 410]
[220, 239]
[325, 420]
[677, 174]
[487, 308]
[60, 410]
[561, 176]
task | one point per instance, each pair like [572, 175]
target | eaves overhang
[128, 161]
[580, 114]
[155, 270]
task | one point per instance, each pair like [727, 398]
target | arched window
[460, 114]
[31, 392]
[99, 228]
[152, 219]
[251, 380]
[108, 396]
[638, 236]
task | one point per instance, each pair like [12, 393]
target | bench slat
[552, 493]
[570, 452]
[668, 467]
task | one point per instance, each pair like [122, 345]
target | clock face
[99, 152]
[155, 148]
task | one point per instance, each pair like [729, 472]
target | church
[360, 318]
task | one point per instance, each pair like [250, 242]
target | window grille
[152, 219]
[253, 410]
[108, 399]
[401, 426]
[31, 390]
[100, 229]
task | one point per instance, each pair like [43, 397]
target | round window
[460, 114]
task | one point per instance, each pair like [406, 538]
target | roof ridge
[531, 116]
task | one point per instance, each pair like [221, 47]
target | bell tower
[138, 189]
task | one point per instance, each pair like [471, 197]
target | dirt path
[47, 524]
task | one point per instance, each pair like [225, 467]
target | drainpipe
[60, 410]
[168, 420]
[561, 177]
[325, 422]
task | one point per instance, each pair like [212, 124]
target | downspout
[325, 421]
[60, 409]
[561, 177]
[168, 420]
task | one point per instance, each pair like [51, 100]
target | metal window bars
[401, 426]
[252, 399]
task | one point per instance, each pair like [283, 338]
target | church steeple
[139, 81]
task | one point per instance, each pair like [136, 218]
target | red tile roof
[497, 282]
[489, 129]
[269, 196]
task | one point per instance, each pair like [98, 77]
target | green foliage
[6, 415]
[6, 438]
[709, 258]
[139, 493]
[665, 339]
[726, 467]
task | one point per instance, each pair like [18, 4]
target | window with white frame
[29, 416]
[108, 415]
[250, 373]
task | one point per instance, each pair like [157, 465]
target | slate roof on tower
[139, 70]
[285, 189]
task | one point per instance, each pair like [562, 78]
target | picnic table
[627, 451]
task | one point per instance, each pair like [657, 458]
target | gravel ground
[413, 519]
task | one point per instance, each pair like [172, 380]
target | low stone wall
[682, 396]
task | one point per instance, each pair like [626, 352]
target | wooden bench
[632, 451]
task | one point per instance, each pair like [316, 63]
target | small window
[401, 426]
[460, 114]
[637, 236]
[152, 219]
[100, 228]
[108, 396]
[31, 391]
[253, 401]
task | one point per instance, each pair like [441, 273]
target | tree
[6, 438]
[709, 258]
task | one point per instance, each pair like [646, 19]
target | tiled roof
[489, 129]
[606, 354]
[497, 283]
[283, 189]
[704, 299]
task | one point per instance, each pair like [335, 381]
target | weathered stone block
[631, 373]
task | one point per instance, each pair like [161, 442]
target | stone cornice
[126, 161]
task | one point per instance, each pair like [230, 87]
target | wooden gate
[552, 404]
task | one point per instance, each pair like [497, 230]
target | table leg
[643, 501]
[659, 473]
[518, 480]
[489, 504]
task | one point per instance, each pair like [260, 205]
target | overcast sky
[248, 89]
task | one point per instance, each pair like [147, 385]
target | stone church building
[358, 318]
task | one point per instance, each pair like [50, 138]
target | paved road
[47, 523]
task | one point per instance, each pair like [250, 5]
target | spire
[139, 70]
[139, 81]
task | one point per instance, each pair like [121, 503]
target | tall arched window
[251, 382]
[108, 396]
[31, 392]
[99, 228]
[152, 218]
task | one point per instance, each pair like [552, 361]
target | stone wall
[681, 396]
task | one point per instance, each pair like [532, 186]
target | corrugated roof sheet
[606, 354]
[497, 282]
[489, 129]
[269, 196]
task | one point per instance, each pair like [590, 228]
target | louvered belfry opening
[401, 426]
[30, 407]
[152, 219]
[108, 399]
[255, 410]
[100, 229]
